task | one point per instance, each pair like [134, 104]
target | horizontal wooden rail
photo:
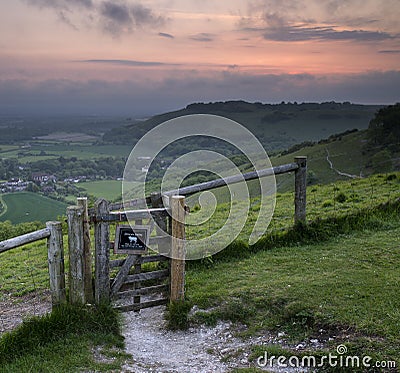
[140, 306]
[143, 259]
[134, 203]
[129, 215]
[155, 275]
[143, 291]
[217, 183]
[15, 242]
[192, 189]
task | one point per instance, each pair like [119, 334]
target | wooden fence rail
[15, 242]
[55, 256]
[299, 167]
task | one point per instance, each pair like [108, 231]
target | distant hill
[353, 153]
[277, 126]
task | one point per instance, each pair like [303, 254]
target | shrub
[391, 177]
[341, 198]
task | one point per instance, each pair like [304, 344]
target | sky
[142, 57]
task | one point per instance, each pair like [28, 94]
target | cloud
[315, 20]
[279, 28]
[165, 35]
[203, 37]
[390, 51]
[123, 17]
[113, 17]
[132, 63]
[114, 12]
[303, 33]
[61, 4]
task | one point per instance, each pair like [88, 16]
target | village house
[41, 177]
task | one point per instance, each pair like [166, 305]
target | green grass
[108, 189]
[26, 207]
[64, 341]
[24, 270]
[359, 194]
[339, 274]
[55, 150]
[346, 285]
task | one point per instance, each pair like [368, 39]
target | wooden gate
[135, 281]
[127, 281]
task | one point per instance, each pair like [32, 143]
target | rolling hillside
[27, 207]
[278, 126]
[355, 154]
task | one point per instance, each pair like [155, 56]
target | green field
[26, 207]
[107, 189]
[48, 150]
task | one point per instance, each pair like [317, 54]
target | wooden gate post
[178, 248]
[55, 253]
[300, 193]
[87, 255]
[75, 219]
[102, 253]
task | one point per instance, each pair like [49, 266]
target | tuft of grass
[177, 315]
[327, 203]
[61, 324]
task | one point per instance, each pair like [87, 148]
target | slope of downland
[344, 287]
[26, 207]
[277, 126]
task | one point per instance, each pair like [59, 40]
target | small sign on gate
[131, 240]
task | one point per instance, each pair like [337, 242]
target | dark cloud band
[112, 17]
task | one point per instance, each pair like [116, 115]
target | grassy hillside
[336, 279]
[345, 153]
[277, 126]
[108, 189]
[26, 207]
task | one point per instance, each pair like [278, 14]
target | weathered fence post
[75, 218]
[178, 248]
[87, 255]
[102, 253]
[55, 252]
[300, 186]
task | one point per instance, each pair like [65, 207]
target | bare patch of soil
[13, 310]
